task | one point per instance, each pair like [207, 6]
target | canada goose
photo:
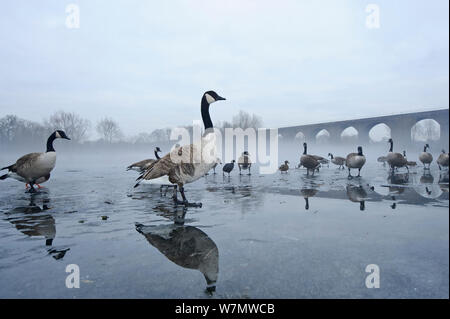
[357, 194]
[395, 159]
[443, 160]
[187, 247]
[409, 163]
[308, 161]
[339, 161]
[382, 159]
[218, 161]
[142, 165]
[355, 160]
[425, 157]
[227, 168]
[284, 167]
[244, 162]
[188, 163]
[35, 168]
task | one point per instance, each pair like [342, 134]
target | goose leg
[249, 172]
[214, 169]
[240, 170]
[359, 172]
[349, 175]
[174, 196]
[185, 201]
[32, 189]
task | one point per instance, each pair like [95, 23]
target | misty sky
[147, 63]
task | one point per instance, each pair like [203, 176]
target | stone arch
[349, 134]
[323, 136]
[380, 132]
[426, 130]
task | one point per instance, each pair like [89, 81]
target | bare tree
[75, 126]
[109, 129]
[20, 133]
[242, 120]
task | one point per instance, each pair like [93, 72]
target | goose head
[157, 149]
[443, 151]
[286, 162]
[61, 134]
[211, 97]
[245, 153]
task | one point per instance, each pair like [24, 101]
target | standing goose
[395, 159]
[142, 165]
[35, 168]
[355, 160]
[339, 161]
[443, 160]
[218, 161]
[188, 163]
[227, 168]
[425, 157]
[244, 162]
[308, 161]
[284, 167]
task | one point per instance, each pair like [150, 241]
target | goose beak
[67, 138]
[219, 98]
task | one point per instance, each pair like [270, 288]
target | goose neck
[205, 114]
[50, 140]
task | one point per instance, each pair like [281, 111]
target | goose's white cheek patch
[57, 135]
[209, 98]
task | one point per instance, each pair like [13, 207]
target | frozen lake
[259, 236]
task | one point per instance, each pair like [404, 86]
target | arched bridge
[399, 124]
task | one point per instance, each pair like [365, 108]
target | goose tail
[4, 176]
[7, 167]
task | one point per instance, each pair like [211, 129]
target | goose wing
[179, 157]
[141, 164]
[26, 162]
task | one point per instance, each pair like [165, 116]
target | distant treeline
[18, 134]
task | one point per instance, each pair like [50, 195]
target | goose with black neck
[34, 168]
[188, 163]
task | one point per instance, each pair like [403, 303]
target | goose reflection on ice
[186, 246]
[307, 193]
[426, 188]
[357, 194]
[33, 221]
[444, 181]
